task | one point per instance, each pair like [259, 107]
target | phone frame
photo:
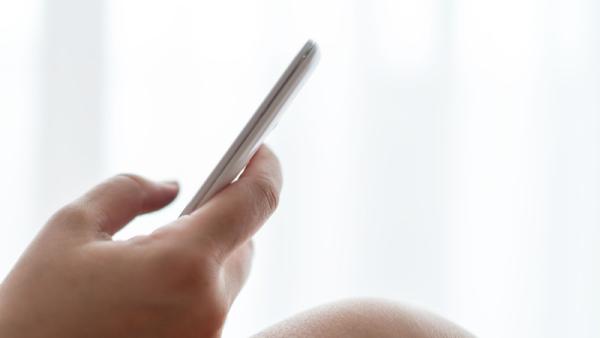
[256, 129]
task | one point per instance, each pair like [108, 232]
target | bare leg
[365, 318]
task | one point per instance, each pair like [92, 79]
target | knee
[366, 318]
[384, 318]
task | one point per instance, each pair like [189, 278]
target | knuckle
[130, 187]
[130, 183]
[266, 192]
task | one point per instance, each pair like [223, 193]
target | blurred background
[445, 153]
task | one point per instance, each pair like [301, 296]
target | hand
[180, 281]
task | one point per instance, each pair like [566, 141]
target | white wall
[19, 68]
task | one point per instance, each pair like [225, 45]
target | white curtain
[444, 153]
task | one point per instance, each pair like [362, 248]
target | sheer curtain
[443, 154]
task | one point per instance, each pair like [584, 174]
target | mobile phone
[262, 122]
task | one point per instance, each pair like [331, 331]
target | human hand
[179, 281]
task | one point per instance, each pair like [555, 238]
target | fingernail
[170, 184]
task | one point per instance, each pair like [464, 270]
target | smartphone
[262, 122]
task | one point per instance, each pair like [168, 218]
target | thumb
[231, 217]
[112, 204]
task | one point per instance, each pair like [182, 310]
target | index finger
[233, 215]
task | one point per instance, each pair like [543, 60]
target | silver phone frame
[259, 125]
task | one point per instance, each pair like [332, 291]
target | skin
[360, 318]
[74, 280]
[180, 281]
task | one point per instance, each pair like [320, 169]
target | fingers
[237, 268]
[112, 204]
[231, 217]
